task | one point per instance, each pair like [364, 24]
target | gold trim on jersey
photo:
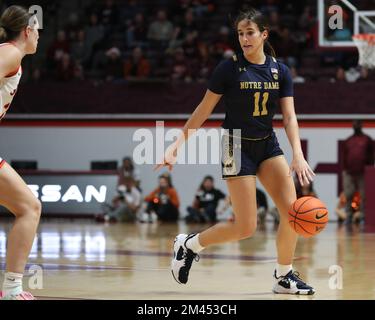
[250, 139]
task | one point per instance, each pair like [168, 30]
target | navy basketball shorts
[242, 157]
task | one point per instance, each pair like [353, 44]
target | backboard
[339, 20]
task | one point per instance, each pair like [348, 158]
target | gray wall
[72, 148]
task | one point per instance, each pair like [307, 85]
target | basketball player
[18, 37]
[252, 83]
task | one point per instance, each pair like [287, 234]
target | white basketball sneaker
[291, 284]
[183, 258]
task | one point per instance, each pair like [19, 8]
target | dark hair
[260, 20]
[13, 20]
[167, 177]
[130, 161]
[201, 187]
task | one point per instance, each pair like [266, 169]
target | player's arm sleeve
[1, 104]
[217, 82]
[286, 83]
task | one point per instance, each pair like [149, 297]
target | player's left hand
[170, 158]
[304, 173]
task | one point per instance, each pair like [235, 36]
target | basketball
[308, 216]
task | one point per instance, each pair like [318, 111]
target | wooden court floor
[85, 260]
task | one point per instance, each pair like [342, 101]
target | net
[366, 47]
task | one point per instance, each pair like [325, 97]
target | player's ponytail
[3, 34]
[269, 49]
[13, 20]
[260, 20]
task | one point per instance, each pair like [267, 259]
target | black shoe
[183, 258]
[291, 284]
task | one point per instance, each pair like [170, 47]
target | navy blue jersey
[251, 93]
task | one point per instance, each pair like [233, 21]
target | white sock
[194, 245]
[12, 283]
[282, 269]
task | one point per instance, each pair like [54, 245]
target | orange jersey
[171, 192]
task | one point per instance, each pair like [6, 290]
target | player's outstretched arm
[196, 120]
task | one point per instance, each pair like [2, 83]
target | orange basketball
[308, 216]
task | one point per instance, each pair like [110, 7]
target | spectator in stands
[71, 26]
[163, 201]
[58, 48]
[131, 10]
[180, 69]
[137, 32]
[179, 7]
[94, 33]
[167, 176]
[187, 26]
[274, 21]
[352, 75]
[205, 202]
[364, 74]
[222, 43]
[125, 205]
[128, 169]
[342, 207]
[204, 65]
[80, 52]
[113, 65]
[203, 8]
[109, 14]
[340, 75]
[190, 18]
[269, 7]
[358, 153]
[307, 19]
[191, 47]
[67, 69]
[160, 32]
[287, 49]
[137, 67]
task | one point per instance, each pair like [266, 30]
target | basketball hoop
[366, 47]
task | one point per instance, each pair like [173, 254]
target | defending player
[18, 37]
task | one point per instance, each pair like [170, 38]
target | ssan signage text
[55, 193]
